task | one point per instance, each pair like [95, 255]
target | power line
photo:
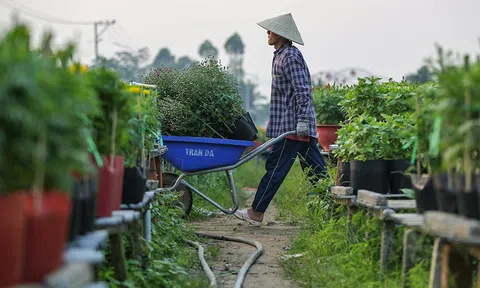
[36, 14]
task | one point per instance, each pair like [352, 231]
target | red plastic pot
[105, 192]
[46, 234]
[327, 135]
[12, 228]
[119, 171]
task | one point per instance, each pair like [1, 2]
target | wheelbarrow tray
[189, 154]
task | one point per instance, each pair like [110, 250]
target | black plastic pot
[445, 193]
[398, 179]
[467, 201]
[425, 196]
[89, 206]
[369, 175]
[76, 213]
[344, 174]
[133, 185]
[244, 129]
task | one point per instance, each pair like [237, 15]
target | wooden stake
[467, 156]
[114, 134]
[39, 176]
[143, 136]
[417, 104]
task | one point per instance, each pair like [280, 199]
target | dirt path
[275, 238]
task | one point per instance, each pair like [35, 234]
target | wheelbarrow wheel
[186, 199]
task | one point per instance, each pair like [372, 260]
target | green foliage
[373, 98]
[205, 95]
[338, 252]
[171, 262]
[42, 131]
[326, 102]
[117, 107]
[455, 140]
[142, 127]
[365, 138]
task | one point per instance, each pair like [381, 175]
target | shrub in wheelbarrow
[201, 101]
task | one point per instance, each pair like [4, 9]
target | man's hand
[302, 129]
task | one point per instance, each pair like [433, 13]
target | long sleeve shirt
[291, 97]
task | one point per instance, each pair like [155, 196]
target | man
[291, 109]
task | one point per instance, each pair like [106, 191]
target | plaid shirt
[291, 100]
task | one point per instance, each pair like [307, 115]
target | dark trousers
[278, 164]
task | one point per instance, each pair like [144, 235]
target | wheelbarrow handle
[260, 149]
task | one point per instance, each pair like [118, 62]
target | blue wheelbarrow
[198, 155]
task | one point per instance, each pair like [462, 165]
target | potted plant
[329, 113]
[422, 173]
[145, 116]
[395, 133]
[15, 176]
[111, 132]
[455, 137]
[360, 145]
[45, 135]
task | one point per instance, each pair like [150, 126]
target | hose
[246, 266]
[210, 275]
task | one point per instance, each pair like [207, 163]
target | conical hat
[283, 25]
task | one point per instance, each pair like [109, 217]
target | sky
[389, 38]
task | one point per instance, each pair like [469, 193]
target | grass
[215, 186]
[337, 252]
[170, 261]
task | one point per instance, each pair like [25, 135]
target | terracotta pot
[105, 190]
[12, 235]
[46, 234]
[119, 171]
[327, 135]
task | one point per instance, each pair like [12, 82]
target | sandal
[243, 215]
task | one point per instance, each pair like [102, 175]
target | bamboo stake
[417, 105]
[39, 176]
[114, 134]
[467, 155]
[143, 134]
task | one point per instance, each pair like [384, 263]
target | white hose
[246, 266]
[210, 275]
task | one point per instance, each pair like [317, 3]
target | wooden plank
[72, 275]
[402, 204]
[342, 191]
[408, 219]
[118, 257]
[410, 246]
[371, 199]
[452, 227]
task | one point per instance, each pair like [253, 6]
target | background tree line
[133, 64]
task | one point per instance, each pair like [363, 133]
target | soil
[274, 235]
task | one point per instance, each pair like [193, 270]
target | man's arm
[295, 72]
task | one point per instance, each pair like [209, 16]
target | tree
[128, 64]
[164, 58]
[422, 76]
[184, 62]
[207, 49]
[235, 49]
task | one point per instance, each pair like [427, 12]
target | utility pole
[97, 35]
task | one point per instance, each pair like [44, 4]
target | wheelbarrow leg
[233, 192]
